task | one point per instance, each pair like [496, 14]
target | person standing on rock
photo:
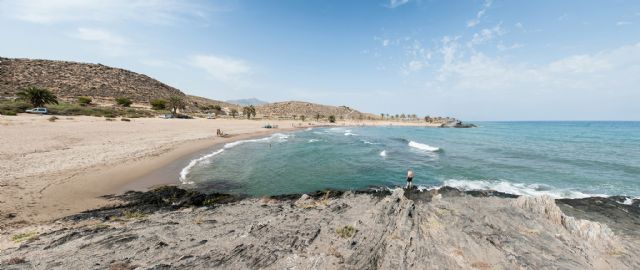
[409, 178]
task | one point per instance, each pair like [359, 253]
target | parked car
[38, 110]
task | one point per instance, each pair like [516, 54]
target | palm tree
[234, 112]
[318, 116]
[248, 111]
[175, 103]
[382, 116]
[38, 97]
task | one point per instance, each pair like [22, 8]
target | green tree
[332, 119]
[234, 112]
[294, 117]
[123, 101]
[318, 116]
[382, 116]
[176, 103]
[84, 101]
[249, 111]
[302, 117]
[158, 104]
[38, 97]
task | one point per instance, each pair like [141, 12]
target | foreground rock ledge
[402, 230]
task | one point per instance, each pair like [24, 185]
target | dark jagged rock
[620, 217]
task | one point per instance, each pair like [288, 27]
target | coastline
[52, 170]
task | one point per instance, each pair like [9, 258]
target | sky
[470, 59]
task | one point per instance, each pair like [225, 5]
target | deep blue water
[562, 159]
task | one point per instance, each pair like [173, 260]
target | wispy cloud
[621, 23]
[109, 42]
[225, 69]
[396, 3]
[54, 11]
[485, 35]
[475, 21]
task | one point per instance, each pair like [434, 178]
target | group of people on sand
[219, 133]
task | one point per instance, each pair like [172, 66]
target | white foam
[348, 133]
[313, 140]
[277, 137]
[309, 129]
[368, 142]
[186, 170]
[383, 153]
[422, 146]
[518, 188]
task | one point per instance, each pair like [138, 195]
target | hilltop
[290, 108]
[72, 79]
[69, 80]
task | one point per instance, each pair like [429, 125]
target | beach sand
[50, 170]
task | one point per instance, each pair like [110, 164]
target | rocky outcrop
[72, 79]
[402, 229]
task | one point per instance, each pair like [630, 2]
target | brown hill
[309, 110]
[69, 80]
[72, 79]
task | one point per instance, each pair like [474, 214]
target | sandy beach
[53, 169]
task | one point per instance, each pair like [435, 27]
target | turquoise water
[561, 159]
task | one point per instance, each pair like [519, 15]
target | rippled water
[562, 159]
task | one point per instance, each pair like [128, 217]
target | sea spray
[383, 153]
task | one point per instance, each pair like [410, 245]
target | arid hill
[309, 110]
[72, 79]
[69, 80]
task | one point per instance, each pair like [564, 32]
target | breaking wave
[187, 169]
[424, 147]
[518, 188]
[383, 153]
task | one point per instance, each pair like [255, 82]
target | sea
[559, 159]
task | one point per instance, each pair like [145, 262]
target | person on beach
[409, 178]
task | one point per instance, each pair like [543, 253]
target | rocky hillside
[403, 229]
[71, 79]
[309, 110]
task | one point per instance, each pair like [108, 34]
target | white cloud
[110, 43]
[486, 35]
[54, 11]
[621, 23]
[475, 21]
[385, 42]
[604, 71]
[224, 69]
[397, 3]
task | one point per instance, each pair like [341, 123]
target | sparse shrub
[123, 101]
[52, 119]
[346, 231]
[158, 104]
[84, 101]
[22, 237]
[302, 117]
[125, 120]
[110, 119]
[134, 215]
[234, 113]
[332, 119]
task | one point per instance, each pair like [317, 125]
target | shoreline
[86, 158]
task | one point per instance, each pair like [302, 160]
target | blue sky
[472, 59]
